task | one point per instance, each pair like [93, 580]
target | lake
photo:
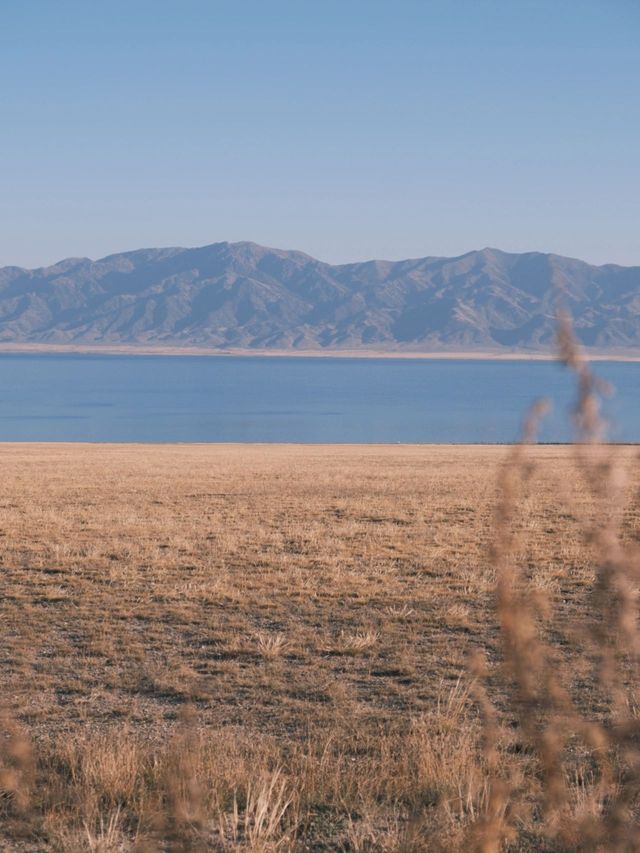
[244, 399]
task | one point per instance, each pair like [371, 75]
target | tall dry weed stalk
[182, 815]
[586, 763]
[16, 769]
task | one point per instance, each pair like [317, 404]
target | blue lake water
[226, 399]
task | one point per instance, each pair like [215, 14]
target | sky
[350, 130]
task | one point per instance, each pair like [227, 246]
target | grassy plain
[265, 647]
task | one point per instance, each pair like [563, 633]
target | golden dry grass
[266, 647]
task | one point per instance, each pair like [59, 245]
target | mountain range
[238, 296]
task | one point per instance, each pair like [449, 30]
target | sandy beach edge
[147, 350]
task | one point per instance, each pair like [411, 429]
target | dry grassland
[266, 647]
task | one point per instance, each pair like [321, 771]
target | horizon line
[434, 257]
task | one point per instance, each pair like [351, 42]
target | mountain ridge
[244, 296]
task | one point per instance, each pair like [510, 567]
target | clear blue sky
[348, 129]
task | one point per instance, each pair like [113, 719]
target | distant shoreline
[142, 349]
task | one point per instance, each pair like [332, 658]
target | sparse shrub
[272, 645]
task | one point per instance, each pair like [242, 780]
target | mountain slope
[242, 295]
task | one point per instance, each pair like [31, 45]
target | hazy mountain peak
[244, 295]
[65, 264]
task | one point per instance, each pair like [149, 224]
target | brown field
[267, 647]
